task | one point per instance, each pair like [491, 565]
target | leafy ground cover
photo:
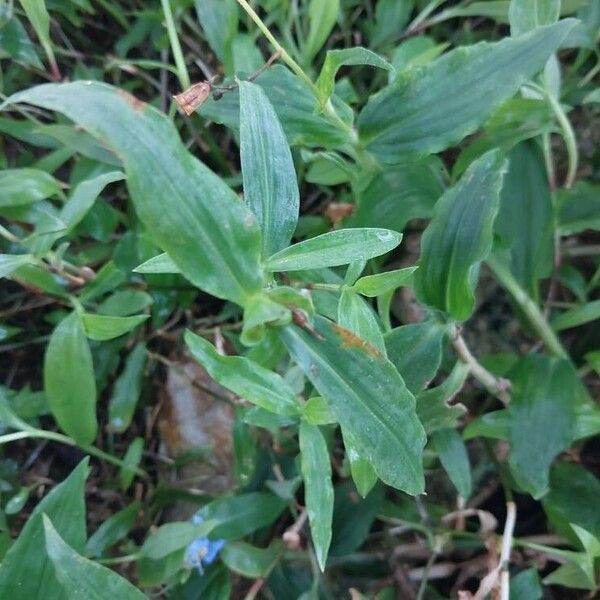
[299, 299]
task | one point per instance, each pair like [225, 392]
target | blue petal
[214, 547]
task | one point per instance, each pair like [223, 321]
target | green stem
[529, 308]
[569, 137]
[182, 72]
[285, 57]
[63, 439]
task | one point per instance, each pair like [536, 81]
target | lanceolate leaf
[105, 327]
[416, 351]
[358, 317]
[270, 186]
[318, 489]
[426, 110]
[83, 578]
[362, 472]
[189, 211]
[322, 16]
[368, 398]
[26, 571]
[526, 15]
[336, 59]
[459, 237]
[454, 458]
[541, 418]
[69, 380]
[339, 247]
[158, 264]
[245, 377]
[525, 218]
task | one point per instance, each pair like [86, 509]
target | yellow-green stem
[182, 72]
[529, 308]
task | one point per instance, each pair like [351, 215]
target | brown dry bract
[193, 97]
[132, 100]
[349, 340]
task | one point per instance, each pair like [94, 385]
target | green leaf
[15, 43]
[69, 380]
[113, 530]
[516, 120]
[579, 208]
[19, 187]
[454, 458]
[459, 237]
[433, 408]
[571, 575]
[368, 398]
[416, 352]
[83, 197]
[428, 109]
[525, 219]
[317, 412]
[259, 312]
[237, 516]
[399, 194]
[203, 218]
[363, 474]
[339, 247]
[318, 490]
[322, 17]
[83, 579]
[415, 52]
[11, 262]
[125, 302]
[219, 20]
[126, 391]
[542, 418]
[357, 316]
[388, 281]
[572, 499]
[250, 561]
[104, 327]
[526, 586]
[577, 316]
[131, 461]
[171, 537]
[26, 568]
[244, 377]
[295, 104]
[270, 186]
[40, 20]
[390, 18]
[158, 264]
[335, 59]
[526, 15]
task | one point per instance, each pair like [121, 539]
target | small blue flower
[202, 551]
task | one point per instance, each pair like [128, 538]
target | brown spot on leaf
[353, 342]
[192, 98]
[136, 103]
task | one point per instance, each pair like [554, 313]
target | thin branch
[497, 386]
[507, 540]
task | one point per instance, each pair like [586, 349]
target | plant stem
[285, 57]
[507, 540]
[182, 72]
[63, 439]
[494, 385]
[529, 308]
[568, 136]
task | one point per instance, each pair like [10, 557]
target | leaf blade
[318, 489]
[368, 398]
[270, 186]
[410, 118]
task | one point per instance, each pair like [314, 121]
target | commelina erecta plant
[323, 323]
